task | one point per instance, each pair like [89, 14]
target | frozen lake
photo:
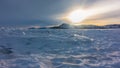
[59, 48]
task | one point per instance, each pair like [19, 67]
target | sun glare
[77, 16]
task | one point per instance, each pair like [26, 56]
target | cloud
[106, 11]
[20, 10]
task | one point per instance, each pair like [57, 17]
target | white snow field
[59, 48]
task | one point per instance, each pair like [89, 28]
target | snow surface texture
[70, 48]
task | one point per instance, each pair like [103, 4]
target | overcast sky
[33, 11]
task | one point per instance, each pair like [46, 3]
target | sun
[77, 16]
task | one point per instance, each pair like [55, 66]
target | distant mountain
[113, 26]
[61, 26]
[68, 26]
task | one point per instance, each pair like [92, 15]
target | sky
[49, 12]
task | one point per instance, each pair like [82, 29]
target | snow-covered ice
[59, 48]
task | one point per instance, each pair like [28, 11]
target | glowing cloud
[77, 16]
[99, 8]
